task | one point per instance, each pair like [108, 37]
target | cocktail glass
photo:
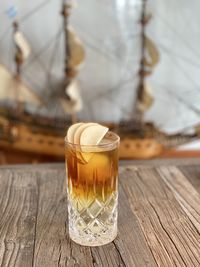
[92, 187]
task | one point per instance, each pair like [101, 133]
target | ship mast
[65, 13]
[18, 54]
[18, 63]
[138, 113]
[69, 72]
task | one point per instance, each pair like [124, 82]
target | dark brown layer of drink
[95, 179]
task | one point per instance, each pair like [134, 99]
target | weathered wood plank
[18, 206]
[53, 246]
[193, 175]
[188, 162]
[162, 162]
[131, 242]
[184, 192]
[172, 238]
[107, 255]
[158, 219]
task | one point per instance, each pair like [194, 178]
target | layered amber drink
[93, 190]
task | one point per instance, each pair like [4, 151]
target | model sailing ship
[140, 139]
[22, 130]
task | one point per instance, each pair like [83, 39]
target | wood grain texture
[172, 237]
[53, 246]
[184, 193]
[131, 242]
[18, 198]
[159, 218]
[193, 175]
[188, 162]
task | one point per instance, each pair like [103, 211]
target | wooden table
[159, 218]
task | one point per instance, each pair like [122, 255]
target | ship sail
[77, 52]
[147, 98]
[14, 89]
[75, 55]
[152, 58]
[22, 44]
[73, 103]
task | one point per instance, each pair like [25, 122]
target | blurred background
[132, 65]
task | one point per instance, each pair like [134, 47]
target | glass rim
[109, 143]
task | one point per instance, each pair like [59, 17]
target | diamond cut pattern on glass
[94, 221]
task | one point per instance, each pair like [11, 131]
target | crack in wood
[119, 254]
[36, 217]
[167, 235]
[59, 257]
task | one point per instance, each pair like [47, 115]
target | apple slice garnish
[85, 135]
[71, 131]
[79, 130]
[70, 138]
[76, 140]
[91, 136]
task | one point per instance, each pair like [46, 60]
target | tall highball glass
[92, 187]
